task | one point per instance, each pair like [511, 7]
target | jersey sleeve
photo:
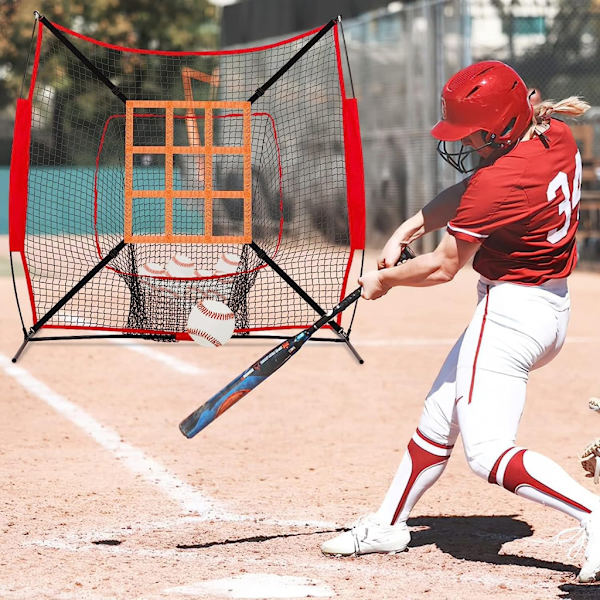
[493, 199]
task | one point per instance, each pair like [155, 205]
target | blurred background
[400, 53]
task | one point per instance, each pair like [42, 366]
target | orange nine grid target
[203, 150]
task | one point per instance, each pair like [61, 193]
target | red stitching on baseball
[169, 291]
[203, 334]
[229, 262]
[156, 286]
[213, 315]
[151, 270]
[182, 264]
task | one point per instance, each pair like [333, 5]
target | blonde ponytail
[573, 106]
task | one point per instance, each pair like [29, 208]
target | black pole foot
[344, 336]
[15, 358]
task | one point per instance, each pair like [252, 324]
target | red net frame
[119, 299]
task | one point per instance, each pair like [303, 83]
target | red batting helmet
[488, 96]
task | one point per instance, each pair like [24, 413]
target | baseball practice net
[143, 180]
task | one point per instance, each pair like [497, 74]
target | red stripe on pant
[516, 475]
[487, 299]
[421, 460]
[494, 471]
[429, 441]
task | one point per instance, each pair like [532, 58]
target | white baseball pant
[480, 393]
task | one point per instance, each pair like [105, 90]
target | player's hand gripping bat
[265, 366]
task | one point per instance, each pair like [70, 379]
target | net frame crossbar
[29, 335]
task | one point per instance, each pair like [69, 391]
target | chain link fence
[555, 46]
[402, 56]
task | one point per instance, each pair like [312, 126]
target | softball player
[516, 215]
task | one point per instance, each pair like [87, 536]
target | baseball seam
[213, 315]
[162, 272]
[203, 334]
[169, 291]
[181, 263]
[230, 262]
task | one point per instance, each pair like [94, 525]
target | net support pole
[334, 324]
[101, 76]
[115, 251]
[257, 249]
[290, 63]
[41, 322]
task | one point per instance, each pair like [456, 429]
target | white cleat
[368, 535]
[591, 567]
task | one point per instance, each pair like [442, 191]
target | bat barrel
[260, 370]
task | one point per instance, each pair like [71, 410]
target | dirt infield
[102, 498]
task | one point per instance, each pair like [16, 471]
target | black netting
[75, 211]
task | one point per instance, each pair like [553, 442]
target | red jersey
[524, 209]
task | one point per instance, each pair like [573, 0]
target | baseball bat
[273, 360]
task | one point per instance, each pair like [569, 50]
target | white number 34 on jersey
[570, 202]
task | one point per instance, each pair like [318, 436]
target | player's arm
[431, 217]
[433, 268]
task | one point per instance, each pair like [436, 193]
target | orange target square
[191, 175]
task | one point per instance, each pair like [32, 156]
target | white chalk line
[190, 499]
[256, 585]
[186, 496]
[169, 361]
[156, 355]
[323, 567]
[404, 342]
[76, 541]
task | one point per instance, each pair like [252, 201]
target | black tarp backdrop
[252, 20]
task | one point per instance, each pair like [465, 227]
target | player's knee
[437, 424]
[479, 467]
[442, 437]
[482, 458]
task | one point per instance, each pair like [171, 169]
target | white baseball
[228, 263]
[210, 323]
[181, 266]
[152, 269]
[151, 272]
[203, 273]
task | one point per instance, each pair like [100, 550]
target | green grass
[5, 266]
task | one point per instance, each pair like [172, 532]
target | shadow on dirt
[479, 539]
[579, 592]
[474, 538]
[255, 539]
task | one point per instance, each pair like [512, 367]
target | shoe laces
[575, 536]
[363, 524]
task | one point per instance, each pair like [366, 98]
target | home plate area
[206, 552]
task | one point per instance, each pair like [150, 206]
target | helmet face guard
[488, 96]
[458, 159]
